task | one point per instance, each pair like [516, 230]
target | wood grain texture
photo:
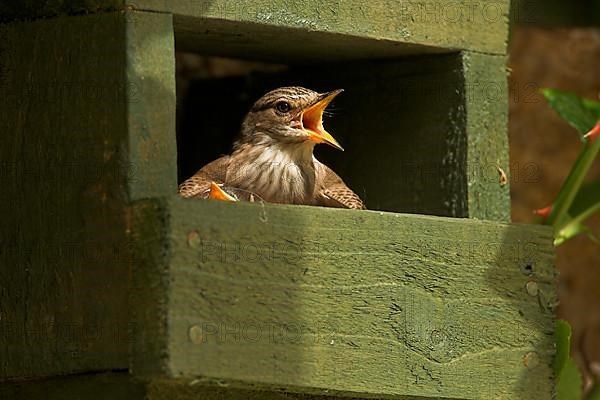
[150, 74]
[269, 24]
[63, 251]
[149, 297]
[210, 389]
[122, 386]
[32, 9]
[375, 304]
[81, 129]
[485, 94]
[102, 386]
[310, 29]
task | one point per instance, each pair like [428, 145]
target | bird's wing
[334, 192]
[199, 184]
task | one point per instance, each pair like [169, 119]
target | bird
[272, 159]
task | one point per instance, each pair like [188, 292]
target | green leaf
[571, 230]
[592, 105]
[582, 114]
[558, 217]
[585, 205]
[562, 335]
[569, 382]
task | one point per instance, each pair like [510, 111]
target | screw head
[196, 334]
[532, 288]
[531, 360]
[193, 239]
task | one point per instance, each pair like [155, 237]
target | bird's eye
[283, 107]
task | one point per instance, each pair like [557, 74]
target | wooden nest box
[114, 287]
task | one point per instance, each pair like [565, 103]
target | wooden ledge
[360, 303]
[341, 28]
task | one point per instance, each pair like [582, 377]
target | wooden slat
[63, 252]
[485, 97]
[304, 31]
[207, 389]
[72, 134]
[122, 386]
[270, 25]
[103, 386]
[357, 303]
[151, 100]
[31, 9]
[313, 29]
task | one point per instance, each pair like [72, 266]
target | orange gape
[217, 193]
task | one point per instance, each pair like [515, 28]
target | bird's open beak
[312, 120]
[217, 193]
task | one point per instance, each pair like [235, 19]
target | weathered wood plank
[358, 303]
[485, 94]
[152, 148]
[207, 389]
[76, 118]
[148, 295]
[312, 29]
[122, 386]
[271, 24]
[32, 9]
[103, 386]
[63, 251]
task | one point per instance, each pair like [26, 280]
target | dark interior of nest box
[401, 122]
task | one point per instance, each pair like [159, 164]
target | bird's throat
[277, 172]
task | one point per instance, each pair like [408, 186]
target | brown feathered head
[289, 115]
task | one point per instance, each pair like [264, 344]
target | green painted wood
[150, 74]
[63, 251]
[104, 386]
[32, 9]
[355, 303]
[122, 386]
[485, 94]
[72, 128]
[149, 245]
[311, 29]
[258, 24]
[206, 389]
